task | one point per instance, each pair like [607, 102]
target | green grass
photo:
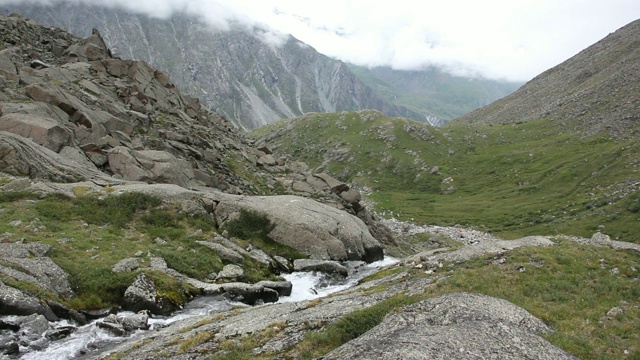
[89, 235]
[570, 287]
[513, 180]
[350, 326]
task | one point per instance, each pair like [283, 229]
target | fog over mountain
[497, 39]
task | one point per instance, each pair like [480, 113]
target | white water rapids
[88, 338]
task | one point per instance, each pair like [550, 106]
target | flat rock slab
[455, 326]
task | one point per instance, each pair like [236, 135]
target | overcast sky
[509, 39]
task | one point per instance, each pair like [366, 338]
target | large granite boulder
[455, 326]
[283, 288]
[230, 272]
[30, 263]
[21, 156]
[319, 230]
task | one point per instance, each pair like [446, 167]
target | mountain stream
[87, 339]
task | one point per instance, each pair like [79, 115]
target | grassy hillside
[433, 91]
[512, 180]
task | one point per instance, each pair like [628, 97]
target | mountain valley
[253, 82]
[122, 199]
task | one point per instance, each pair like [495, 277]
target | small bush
[249, 225]
[254, 228]
[11, 196]
[634, 205]
[196, 264]
[115, 210]
[162, 218]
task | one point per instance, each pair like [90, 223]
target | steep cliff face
[233, 72]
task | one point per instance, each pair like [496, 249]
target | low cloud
[513, 40]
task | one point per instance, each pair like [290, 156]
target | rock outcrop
[143, 295]
[319, 230]
[252, 82]
[455, 326]
[29, 262]
[324, 266]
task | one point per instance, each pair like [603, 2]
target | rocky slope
[592, 92]
[76, 121]
[235, 73]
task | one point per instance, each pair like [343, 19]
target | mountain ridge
[264, 83]
[591, 92]
[250, 82]
[446, 96]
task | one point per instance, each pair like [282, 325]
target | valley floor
[580, 296]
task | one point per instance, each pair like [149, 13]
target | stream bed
[88, 339]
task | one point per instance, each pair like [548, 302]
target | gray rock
[7, 66]
[325, 266]
[44, 131]
[261, 257]
[8, 346]
[126, 265]
[33, 326]
[230, 272]
[78, 156]
[225, 253]
[249, 293]
[319, 230]
[283, 264]
[266, 160]
[351, 196]
[282, 287]
[150, 166]
[60, 332]
[64, 312]
[254, 253]
[40, 271]
[454, 326]
[600, 239]
[16, 302]
[143, 295]
[111, 324]
[138, 321]
[336, 186]
[21, 156]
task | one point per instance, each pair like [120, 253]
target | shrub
[254, 228]
[249, 225]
